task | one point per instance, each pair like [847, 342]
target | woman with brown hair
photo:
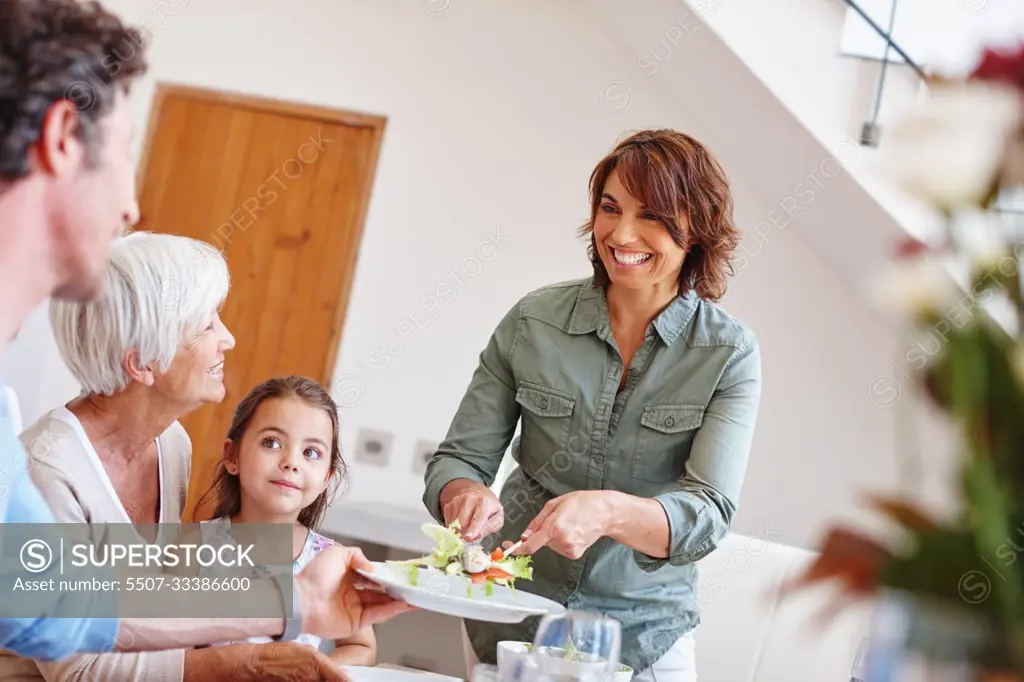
[637, 397]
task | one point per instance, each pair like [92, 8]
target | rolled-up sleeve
[700, 512]
[54, 639]
[153, 666]
[485, 421]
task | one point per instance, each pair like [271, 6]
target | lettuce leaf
[518, 566]
[431, 560]
[447, 541]
[448, 545]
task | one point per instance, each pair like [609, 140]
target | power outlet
[424, 451]
[374, 447]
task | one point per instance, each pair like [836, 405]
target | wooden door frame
[375, 123]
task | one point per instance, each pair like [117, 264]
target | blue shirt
[44, 639]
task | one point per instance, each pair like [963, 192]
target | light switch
[422, 454]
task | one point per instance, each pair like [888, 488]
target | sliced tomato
[492, 572]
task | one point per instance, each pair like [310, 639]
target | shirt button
[598, 458]
[669, 421]
[543, 403]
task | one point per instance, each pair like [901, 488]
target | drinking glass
[576, 646]
[859, 670]
[484, 672]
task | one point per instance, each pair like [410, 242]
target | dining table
[390, 672]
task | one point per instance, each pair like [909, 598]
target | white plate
[442, 593]
[360, 673]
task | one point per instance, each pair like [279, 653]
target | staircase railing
[887, 37]
[1010, 204]
[871, 132]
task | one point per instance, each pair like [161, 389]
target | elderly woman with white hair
[146, 352]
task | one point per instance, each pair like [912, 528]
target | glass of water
[484, 672]
[576, 646]
[859, 670]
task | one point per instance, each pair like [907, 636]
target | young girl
[282, 463]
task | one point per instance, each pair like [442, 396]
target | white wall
[947, 36]
[495, 120]
[793, 49]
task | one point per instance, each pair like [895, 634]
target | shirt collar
[590, 313]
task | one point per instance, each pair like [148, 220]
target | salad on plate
[456, 557]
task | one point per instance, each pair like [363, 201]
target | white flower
[1013, 169]
[916, 286]
[982, 239]
[951, 151]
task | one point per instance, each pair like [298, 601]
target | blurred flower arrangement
[959, 153]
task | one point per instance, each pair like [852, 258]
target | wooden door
[282, 190]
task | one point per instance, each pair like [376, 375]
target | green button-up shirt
[678, 432]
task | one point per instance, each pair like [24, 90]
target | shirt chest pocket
[663, 445]
[546, 417]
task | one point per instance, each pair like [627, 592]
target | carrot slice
[491, 573]
[497, 573]
[497, 555]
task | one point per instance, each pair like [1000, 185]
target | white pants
[678, 664]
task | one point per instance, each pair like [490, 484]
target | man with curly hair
[66, 191]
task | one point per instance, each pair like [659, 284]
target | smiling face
[633, 242]
[283, 460]
[196, 375]
[661, 218]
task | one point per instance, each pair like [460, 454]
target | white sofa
[749, 633]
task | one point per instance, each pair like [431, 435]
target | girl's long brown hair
[227, 489]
